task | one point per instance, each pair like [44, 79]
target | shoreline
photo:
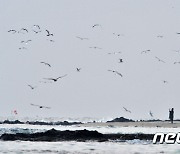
[159, 123]
[164, 124]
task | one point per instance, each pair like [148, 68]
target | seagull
[95, 25]
[114, 53]
[82, 38]
[23, 29]
[46, 63]
[118, 34]
[78, 69]
[116, 72]
[120, 60]
[150, 113]
[36, 29]
[177, 62]
[50, 40]
[22, 48]
[14, 112]
[126, 110]
[12, 30]
[48, 33]
[176, 51]
[164, 81]
[145, 51]
[32, 87]
[160, 36]
[40, 106]
[159, 60]
[95, 48]
[55, 79]
[26, 42]
[37, 26]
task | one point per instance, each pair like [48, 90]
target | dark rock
[40, 122]
[53, 123]
[67, 123]
[12, 122]
[121, 119]
[78, 135]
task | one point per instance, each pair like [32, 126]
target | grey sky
[93, 91]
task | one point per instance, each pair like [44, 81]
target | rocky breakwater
[121, 119]
[78, 135]
[66, 123]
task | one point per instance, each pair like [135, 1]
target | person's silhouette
[171, 114]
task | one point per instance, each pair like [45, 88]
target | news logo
[169, 138]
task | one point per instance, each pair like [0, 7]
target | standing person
[171, 114]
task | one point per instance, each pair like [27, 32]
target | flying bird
[46, 63]
[150, 113]
[37, 26]
[82, 38]
[160, 60]
[164, 81]
[36, 31]
[48, 33]
[12, 30]
[120, 60]
[26, 42]
[110, 53]
[177, 51]
[56, 79]
[116, 72]
[50, 40]
[23, 30]
[118, 34]
[78, 69]
[126, 110]
[96, 25]
[177, 62]
[160, 36]
[14, 112]
[95, 48]
[22, 48]
[32, 87]
[178, 33]
[145, 51]
[40, 106]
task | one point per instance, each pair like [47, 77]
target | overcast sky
[94, 91]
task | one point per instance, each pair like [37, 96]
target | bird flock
[36, 29]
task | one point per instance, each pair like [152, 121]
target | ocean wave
[55, 119]
[19, 130]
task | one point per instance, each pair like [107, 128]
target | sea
[89, 147]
